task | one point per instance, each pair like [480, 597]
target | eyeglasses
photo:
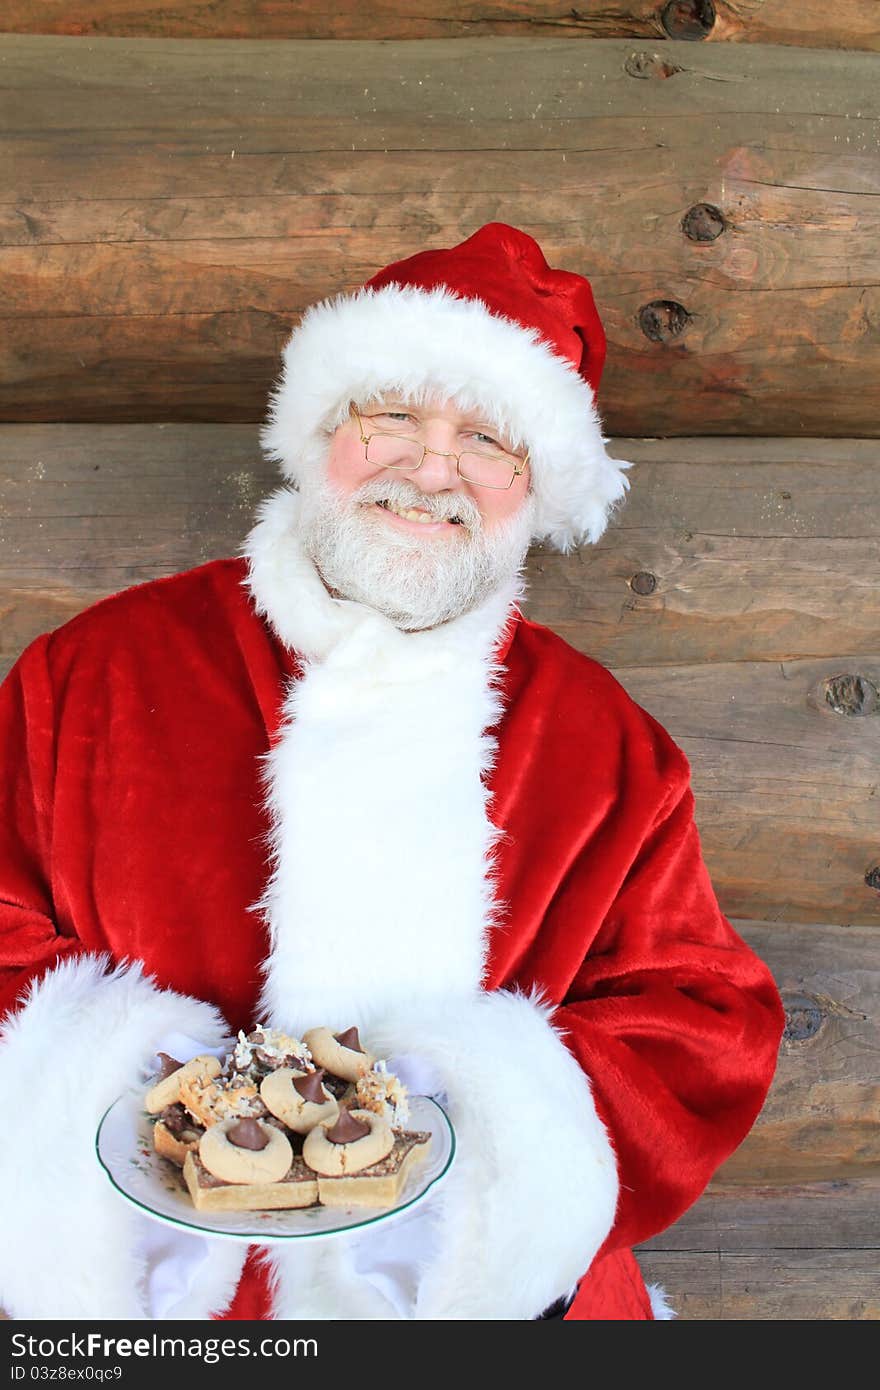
[384, 449]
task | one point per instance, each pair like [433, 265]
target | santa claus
[342, 779]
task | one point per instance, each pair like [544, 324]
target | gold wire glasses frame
[516, 469]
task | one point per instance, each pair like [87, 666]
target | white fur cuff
[80, 1039]
[533, 1191]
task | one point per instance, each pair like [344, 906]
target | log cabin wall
[181, 180]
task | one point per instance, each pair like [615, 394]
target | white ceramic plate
[125, 1151]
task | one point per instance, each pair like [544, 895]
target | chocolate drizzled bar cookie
[298, 1189]
[382, 1183]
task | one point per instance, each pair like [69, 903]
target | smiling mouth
[411, 514]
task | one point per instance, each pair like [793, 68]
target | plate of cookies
[281, 1139]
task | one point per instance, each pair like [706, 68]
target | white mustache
[443, 506]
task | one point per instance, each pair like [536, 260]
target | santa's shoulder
[156, 625]
[187, 600]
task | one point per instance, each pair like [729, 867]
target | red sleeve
[30, 942]
[677, 1023]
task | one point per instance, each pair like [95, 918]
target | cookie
[226, 1098]
[175, 1133]
[166, 1091]
[327, 1149]
[380, 1090]
[245, 1151]
[267, 1049]
[298, 1098]
[382, 1184]
[298, 1188]
[340, 1053]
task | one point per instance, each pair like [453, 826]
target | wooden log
[778, 719]
[175, 205]
[810, 23]
[836, 1215]
[759, 1252]
[724, 550]
[777, 1285]
[819, 1122]
[787, 799]
[790, 1225]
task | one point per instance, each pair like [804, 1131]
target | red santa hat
[487, 324]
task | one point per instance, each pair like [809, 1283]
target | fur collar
[376, 794]
[289, 593]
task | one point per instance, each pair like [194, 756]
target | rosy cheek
[346, 466]
[498, 507]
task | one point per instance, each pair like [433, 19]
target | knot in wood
[643, 582]
[646, 65]
[703, 222]
[663, 320]
[872, 877]
[688, 19]
[803, 1017]
[852, 695]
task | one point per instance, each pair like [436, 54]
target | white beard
[418, 582]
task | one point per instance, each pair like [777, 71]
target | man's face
[361, 521]
[446, 431]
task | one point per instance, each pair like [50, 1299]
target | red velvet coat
[132, 823]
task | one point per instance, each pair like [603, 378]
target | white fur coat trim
[82, 1036]
[417, 341]
[660, 1306]
[381, 884]
[379, 905]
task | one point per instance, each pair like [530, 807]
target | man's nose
[438, 473]
[439, 469]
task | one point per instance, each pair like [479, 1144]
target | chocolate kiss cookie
[281, 1094]
[330, 1051]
